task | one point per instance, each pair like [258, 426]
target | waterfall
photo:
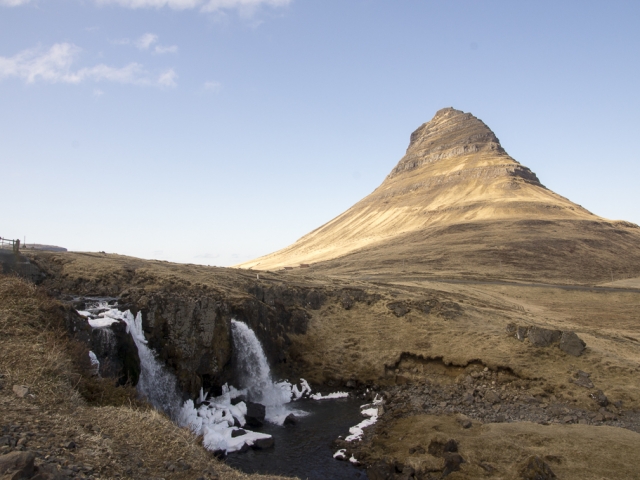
[215, 418]
[155, 382]
[253, 369]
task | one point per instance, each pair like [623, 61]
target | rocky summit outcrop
[458, 195]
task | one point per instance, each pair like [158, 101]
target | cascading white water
[155, 382]
[253, 369]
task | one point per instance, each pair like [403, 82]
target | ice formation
[371, 412]
[329, 396]
[215, 420]
[95, 363]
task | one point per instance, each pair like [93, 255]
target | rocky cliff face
[186, 323]
[450, 133]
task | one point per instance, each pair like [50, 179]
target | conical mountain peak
[454, 172]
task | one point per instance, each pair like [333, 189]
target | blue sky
[215, 131]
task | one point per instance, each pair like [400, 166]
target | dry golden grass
[34, 344]
[577, 452]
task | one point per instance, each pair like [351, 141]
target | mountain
[457, 203]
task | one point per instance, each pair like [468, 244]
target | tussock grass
[34, 345]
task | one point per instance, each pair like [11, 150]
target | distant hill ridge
[455, 171]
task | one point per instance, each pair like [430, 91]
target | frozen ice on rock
[329, 396]
[94, 360]
[370, 411]
[340, 454]
[300, 392]
[215, 418]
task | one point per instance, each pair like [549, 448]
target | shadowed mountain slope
[457, 203]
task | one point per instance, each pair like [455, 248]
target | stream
[304, 450]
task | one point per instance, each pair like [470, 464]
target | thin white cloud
[212, 86]
[175, 4]
[97, 92]
[146, 40]
[204, 5]
[160, 49]
[55, 66]
[13, 3]
[215, 5]
[168, 78]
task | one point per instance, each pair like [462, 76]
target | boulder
[452, 462]
[572, 344]
[582, 379]
[263, 443]
[255, 414]
[21, 390]
[238, 432]
[492, 397]
[536, 469]
[399, 309]
[600, 398]
[17, 464]
[464, 422]
[290, 419]
[521, 333]
[543, 337]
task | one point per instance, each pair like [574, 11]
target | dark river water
[304, 450]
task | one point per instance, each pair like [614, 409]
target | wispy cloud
[244, 6]
[55, 66]
[146, 40]
[204, 5]
[212, 86]
[160, 49]
[13, 3]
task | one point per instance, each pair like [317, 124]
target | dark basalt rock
[543, 337]
[572, 344]
[291, 419]
[399, 309]
[117, 353]
[453, 460]
[17, 465]
[568, 342]
[255, 415]
[263, 443]
[600, 398]
[536, 469]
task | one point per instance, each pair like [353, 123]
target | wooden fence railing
[7, 243]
